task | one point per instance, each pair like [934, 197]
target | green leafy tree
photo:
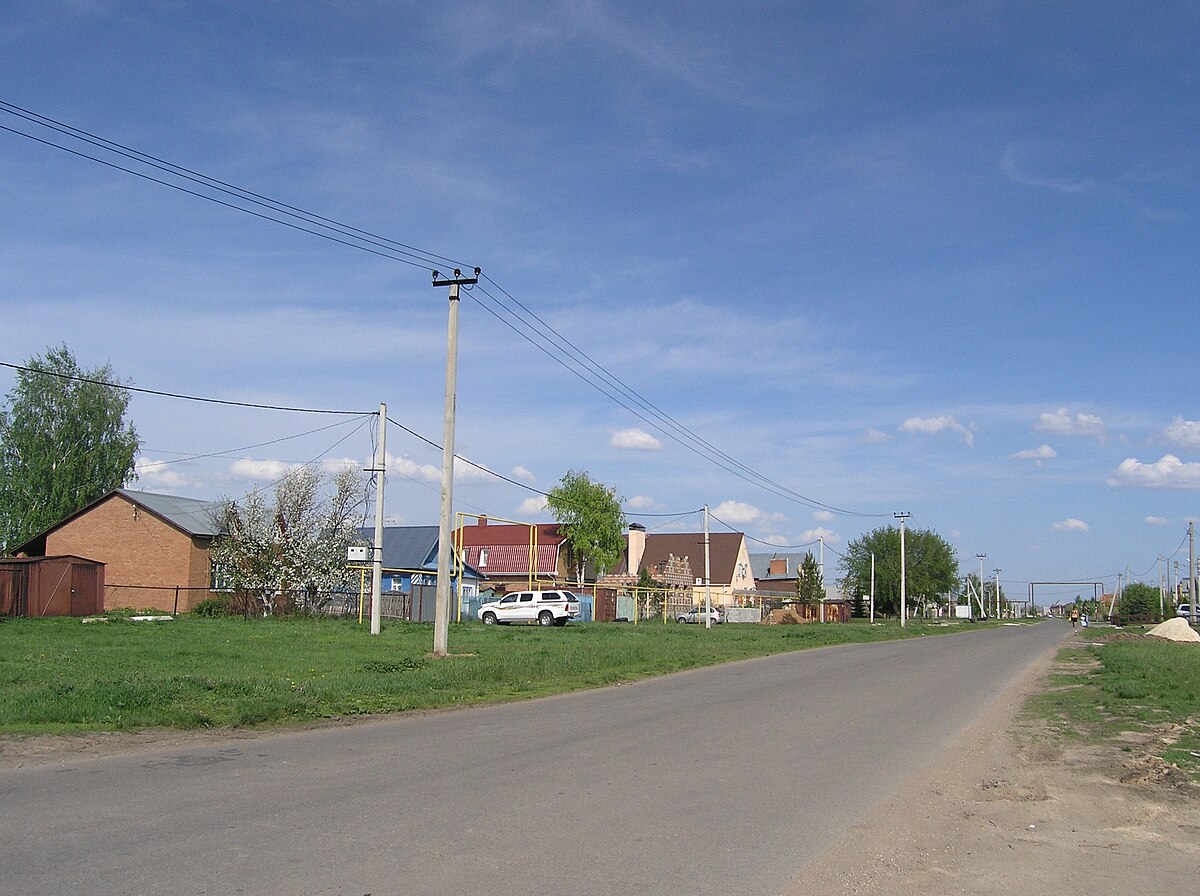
[64, 442]
[590, 518]
[932, 566]
[295, 544]
[1139, 602]
[809, 587]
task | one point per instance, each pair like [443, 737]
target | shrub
[213, 607]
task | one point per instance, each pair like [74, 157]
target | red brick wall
[137, 548]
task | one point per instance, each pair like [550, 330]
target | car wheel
[489, 618]
[545, 618]
[681, 619]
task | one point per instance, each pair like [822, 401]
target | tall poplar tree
[64, 442]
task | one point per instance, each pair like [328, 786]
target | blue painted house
[410, 569]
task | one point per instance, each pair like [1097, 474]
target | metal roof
[191, 515]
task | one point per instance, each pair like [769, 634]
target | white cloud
[1072, 525]
[532, 506]
[823, 516]
[261, 470]
[1184, 432]
[410, 469]
[642, 502]
[522, 475]
[874, 436]
[335, 465]
[814, 534]
[634, 440]
[739, 513]
[161, 475]
[934, 425]
[1157, 521]
[1042, 452]
[1061, 423]
[1168, 472]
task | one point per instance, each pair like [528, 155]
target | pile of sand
[1176, 629]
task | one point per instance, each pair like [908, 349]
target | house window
[483, 552]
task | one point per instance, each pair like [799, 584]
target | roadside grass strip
[1113, 685]
[58, 676]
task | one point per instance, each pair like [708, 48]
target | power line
[181, 396]
[229, 451]
[588, 369]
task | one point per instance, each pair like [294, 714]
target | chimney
[778, 566]
[637, 547]
[482, 521]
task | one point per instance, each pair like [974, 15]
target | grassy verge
[1112, 684]
[59, 676]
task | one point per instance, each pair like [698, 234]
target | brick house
[150, 545]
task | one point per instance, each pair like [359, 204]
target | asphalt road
[716, 781]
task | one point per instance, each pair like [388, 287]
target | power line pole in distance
[903, 571]
[441, 613]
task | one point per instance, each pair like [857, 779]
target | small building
[154, 548]
[51, 586]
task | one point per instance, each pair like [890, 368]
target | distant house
[410, 555]
[670, 557]
[776, 572]
[155, 548]
[517, 556]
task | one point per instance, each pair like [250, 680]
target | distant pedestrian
[1074, 616]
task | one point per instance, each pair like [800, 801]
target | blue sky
[919, 257]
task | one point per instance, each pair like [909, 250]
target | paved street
[716, 781]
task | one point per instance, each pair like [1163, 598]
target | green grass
[60, 676]
[1126, 685]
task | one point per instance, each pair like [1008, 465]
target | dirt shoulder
[1009, 809]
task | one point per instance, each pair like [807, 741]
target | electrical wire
[229, 451]
[181, 396]
[411, 255]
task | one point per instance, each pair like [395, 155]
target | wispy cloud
[819, 532]
[1040, 453]
[642, 502]
[1064, 186]
[261, 470]
[823, 516]
[522, 475]
[934, 425]
[1157, 521]
[1062, 423]
[634, 440]
[159, 475]
[874, 436]
[1072, 525]
[1168, 472]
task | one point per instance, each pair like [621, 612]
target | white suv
[542, 607]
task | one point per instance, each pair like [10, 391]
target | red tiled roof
[502, 533]
[513, 559]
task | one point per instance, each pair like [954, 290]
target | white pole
[707, 576]
[999, 607]
[903, 572]
[1192, 572]
[821, 572]
[377, 547]
[982, 605]
[872, 587]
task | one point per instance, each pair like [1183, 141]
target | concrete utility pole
[1162, 588]
[982, 604]
[872, 587]
[1192, 573]
[903, 571]
[379, 469]
[999, 606]
[821, 572]
[441, 612]
[707, 576]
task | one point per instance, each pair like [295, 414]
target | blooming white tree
[295, 545]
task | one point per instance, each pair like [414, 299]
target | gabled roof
[723, 548]
[507, 548]
[190, 516]
[494, 534]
